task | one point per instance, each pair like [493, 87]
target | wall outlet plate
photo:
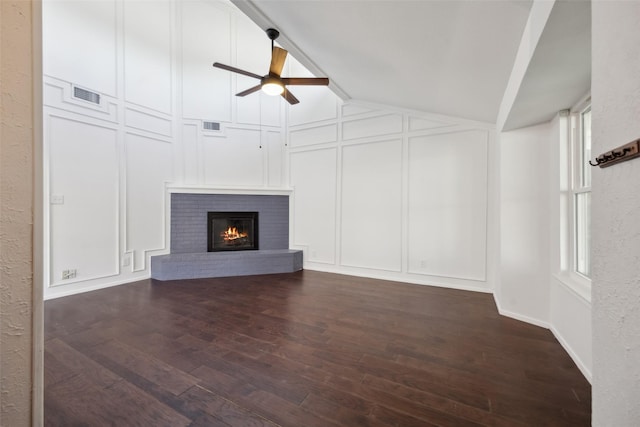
[69, 274]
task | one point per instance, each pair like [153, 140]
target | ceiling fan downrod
[273, 34]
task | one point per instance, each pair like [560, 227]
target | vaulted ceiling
[451, 57]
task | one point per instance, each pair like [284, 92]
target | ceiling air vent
[211, 126]
[86, 95]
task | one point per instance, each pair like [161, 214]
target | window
[581, 189]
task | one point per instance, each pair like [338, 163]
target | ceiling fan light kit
[272, 83]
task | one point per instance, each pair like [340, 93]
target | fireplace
[196, 251]
[232, 231]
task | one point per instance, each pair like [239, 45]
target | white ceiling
[559, 73]
[451, 57]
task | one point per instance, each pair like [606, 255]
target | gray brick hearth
[189, 258]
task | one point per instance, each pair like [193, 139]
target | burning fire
[232, 233]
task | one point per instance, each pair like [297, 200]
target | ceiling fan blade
[248, 91]
[289, 97]
[236, 70]
[305, 81]
[278, 56]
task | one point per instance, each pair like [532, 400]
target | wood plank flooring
[303, 349]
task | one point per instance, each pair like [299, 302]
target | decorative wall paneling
[80, 43]
[320, 134]
[190, 169]
[448, 204]
[145, 213]
[409, 201]
[206, 91]
[372, 127]
[148, 121]
[157, 87]
[315, 203]
[82, 213]
[371, 192]
[417, 124]
[274, 150]
[350, 109]
[238, 158]
[59, 94]
[147, 55]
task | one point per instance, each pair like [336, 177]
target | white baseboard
[518, 316]
[574, 356]
[62, 291]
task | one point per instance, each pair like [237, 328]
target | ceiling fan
[272, 83]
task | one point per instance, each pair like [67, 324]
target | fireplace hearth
[232, 231]
[191, 255]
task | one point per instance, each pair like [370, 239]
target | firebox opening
[232, 231]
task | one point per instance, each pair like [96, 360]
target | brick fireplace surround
[188, 257]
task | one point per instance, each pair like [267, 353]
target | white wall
[536, 284]
[615, 213]
[524, 217]
[108, 164]
[386, 193]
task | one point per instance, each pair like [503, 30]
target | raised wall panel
[374, 126]
[253, 47]
[190, 153]
[79, 43]
[147, 122]
[448, 205]
[59, 94]
[315, 135]
[253, 53]
[147, 46]
[417, 123]
[317, 103]
[313, 177]
[257, 108]
[235, 160]
[354, 110]
[371, 230]
[275, 152]
[84, 184]
[149, 166]
[206, 38]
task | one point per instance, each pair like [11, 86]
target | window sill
[578, 285]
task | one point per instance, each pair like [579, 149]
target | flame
[232, 233]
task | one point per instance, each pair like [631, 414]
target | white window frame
[576, 187]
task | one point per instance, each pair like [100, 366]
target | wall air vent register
[86, 95]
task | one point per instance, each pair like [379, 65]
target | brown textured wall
[16, 212]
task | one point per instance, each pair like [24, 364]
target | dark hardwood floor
[302, 349]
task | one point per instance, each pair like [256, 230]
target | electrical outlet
[423, 264]
[126, 260]
[69, 274]
[57, 199]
